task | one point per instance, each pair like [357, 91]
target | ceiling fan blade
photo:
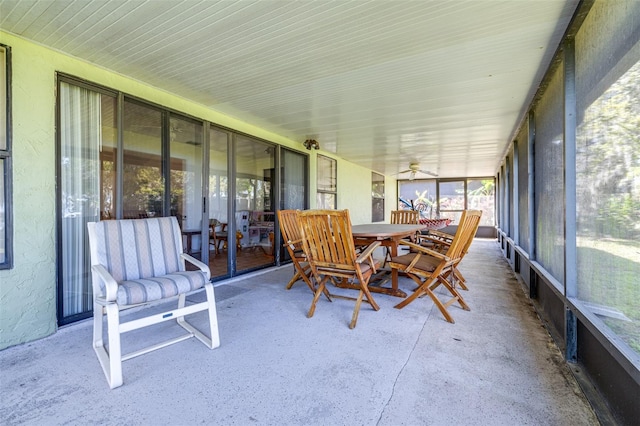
[427, 172]
[399, 173]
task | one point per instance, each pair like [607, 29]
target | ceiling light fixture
[311, 143]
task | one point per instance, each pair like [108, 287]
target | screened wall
[522, 192]
[608, 167]
[576, 159]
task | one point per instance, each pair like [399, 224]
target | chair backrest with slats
[131, 249]
[466, 228]
[328, 241]
[288, 220]
[401, 217]
[474, 217]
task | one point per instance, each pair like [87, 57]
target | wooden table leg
[394, 290]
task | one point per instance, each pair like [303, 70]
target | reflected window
[254, 205]
[185, 139]
[377, 197]
[327, 183]
[143, 181]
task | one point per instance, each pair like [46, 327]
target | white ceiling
[380, 83]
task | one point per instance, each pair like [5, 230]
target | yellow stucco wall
[28, 290]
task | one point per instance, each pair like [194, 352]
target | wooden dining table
[389, 236]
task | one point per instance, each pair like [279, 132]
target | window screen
[608, 166]
[549, 182]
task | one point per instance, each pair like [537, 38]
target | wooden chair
[405, 216]
[330, 250]
[441, 241]
[430, 269]
[402, 217]
[216, 238]
[138, 262]
[292, 237]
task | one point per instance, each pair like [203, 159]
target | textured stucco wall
[28, 290]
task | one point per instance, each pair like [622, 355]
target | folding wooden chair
[430, 269]
[292, 237]
[441, 242]
[405, 216]
[401, 217]
[331, 253]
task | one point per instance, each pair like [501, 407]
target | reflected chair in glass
[221, 237]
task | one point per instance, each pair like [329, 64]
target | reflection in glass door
[254, 203]
[293, 186]
[218, 203]
[87, 142]
[143, 183]
[185, 180]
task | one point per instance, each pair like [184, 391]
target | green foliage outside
[608, 206]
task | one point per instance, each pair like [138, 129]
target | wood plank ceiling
[380, 83]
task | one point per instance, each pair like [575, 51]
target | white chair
[137, 262]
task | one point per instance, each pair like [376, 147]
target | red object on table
[435, 223]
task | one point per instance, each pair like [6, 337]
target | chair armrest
[368, 251]
[293, 244]
[435, 240]
[202, 266]
[440, 234]
[424, 250]
[110, 284]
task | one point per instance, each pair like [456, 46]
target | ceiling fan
[413, 169]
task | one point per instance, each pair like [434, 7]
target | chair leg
[98, 313]
[320, 290]
[213, 341]
[111, 360]
[440, 305]
[293, 280]
[356, 310]
[417, 292]
[456, 296]
[462, 282]
[213, 316]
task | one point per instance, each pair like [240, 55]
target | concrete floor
[495, 366]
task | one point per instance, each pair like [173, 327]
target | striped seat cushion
[143, 256]
[143, 290]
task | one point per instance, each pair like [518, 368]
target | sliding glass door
[293, 185]
[254, 203]
[143, 188]
[122, 158]
[86, 137]
[95, 183]
[218, 202]
[186, 179]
